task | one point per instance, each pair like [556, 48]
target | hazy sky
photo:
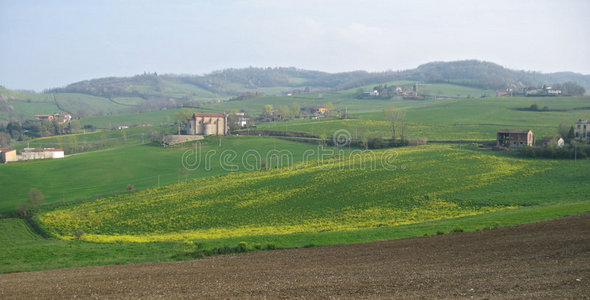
[46, 44]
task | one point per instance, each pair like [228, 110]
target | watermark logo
[326, 158]
[341, 138]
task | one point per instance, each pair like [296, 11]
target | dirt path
[542, 260]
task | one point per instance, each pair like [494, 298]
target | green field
[98, 140]
[24, 251]
[236, 194]
[343, 194]
[161, 117]
[466, 119]
[472, 190]
[110, 171]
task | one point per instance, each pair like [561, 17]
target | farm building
[514, 138]
[207, 124]
[7, 155]
[40, 153]
[552, 141]
[582, 130]
[59, 117]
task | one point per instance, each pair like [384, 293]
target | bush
[457, 229]
[78, 234]
[566, 152]
[418, 141]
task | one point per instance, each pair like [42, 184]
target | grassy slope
[467, 119]
[104, 172]
[317, 198]
[160, 117]
[26, 252]
[22, 250]
[97, 140]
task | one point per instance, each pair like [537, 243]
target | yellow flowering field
[339, 194]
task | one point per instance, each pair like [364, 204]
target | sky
[46, 44]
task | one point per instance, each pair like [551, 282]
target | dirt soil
[541, 260]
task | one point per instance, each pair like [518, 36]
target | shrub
[130, 187]
[78, 234]
[457, 229]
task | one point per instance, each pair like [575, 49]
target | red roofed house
[207, 124]
[514, 138]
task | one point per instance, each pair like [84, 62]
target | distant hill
[232, 82]
[152, 92]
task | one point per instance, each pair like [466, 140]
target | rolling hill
[152, 92]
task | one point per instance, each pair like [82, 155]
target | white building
[40, 153]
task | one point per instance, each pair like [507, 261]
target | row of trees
[569, 88]
[283, 112]
[21, 131]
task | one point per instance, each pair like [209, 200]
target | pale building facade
[207, 124]
[582, 130]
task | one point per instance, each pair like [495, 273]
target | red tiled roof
[41, 150]
[6, 150]
[513, 131]
[209, 115]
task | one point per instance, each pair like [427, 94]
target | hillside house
[44, 117]
[373, 93]
[553, 141]
[582, 130]
[61, 118]
[242, 119]
[7, 155]
[40, 153]
[207, 124]
[508, 138]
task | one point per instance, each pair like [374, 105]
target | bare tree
[35, 198]
[397, 119]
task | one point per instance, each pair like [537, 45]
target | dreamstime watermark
[337, 157]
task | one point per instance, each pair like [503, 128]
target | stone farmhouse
[207, 124]
[582, 130]
[512, 138]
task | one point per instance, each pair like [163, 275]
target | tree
[4, 139]
[295, 109]
[181, 116]
[329, 107]
[233, 120]
[570, 135]
[35, 198]
[268, 112]
[74, 126]
[396, 118]
[563, 130]
[573, 89]
[359, 93]
[285, 112]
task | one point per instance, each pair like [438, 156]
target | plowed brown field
[541, 260]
